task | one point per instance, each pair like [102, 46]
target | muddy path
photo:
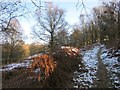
[102, 74]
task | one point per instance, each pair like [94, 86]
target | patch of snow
[75, 50]
[102, 46]
[113, 67]
[37, 70]
[9, 67]
[75, 86]
[23, 64]
[91, 65]
[34, 56]
[70, 48]
[118, 52]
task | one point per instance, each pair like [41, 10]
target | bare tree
[50, 22]
[10, 28]
[8, 11]
[12, 41]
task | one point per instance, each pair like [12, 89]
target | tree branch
[39, 36]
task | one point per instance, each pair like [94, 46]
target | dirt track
[102, 74]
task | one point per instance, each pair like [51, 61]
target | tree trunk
[11, 53]
[51, 42]
[118, 24]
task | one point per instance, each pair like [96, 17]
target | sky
[71, 15]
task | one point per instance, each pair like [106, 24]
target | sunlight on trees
[35, 48]
[104, 26]
[11, 31]
[53, 62]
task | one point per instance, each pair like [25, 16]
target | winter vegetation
[83, 55]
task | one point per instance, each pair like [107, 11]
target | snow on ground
[10, 67]
[112, 65]
[85, 76]
[34, 56]
[24, 64]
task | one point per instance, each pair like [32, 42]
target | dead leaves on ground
[44, 66]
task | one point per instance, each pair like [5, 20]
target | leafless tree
[8, 11]
[10, 28]
[50, 22]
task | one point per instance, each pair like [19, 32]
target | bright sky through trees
[72, 13]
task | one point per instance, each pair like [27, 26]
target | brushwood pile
[43, 70]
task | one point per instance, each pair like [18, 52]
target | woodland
[66, 48]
